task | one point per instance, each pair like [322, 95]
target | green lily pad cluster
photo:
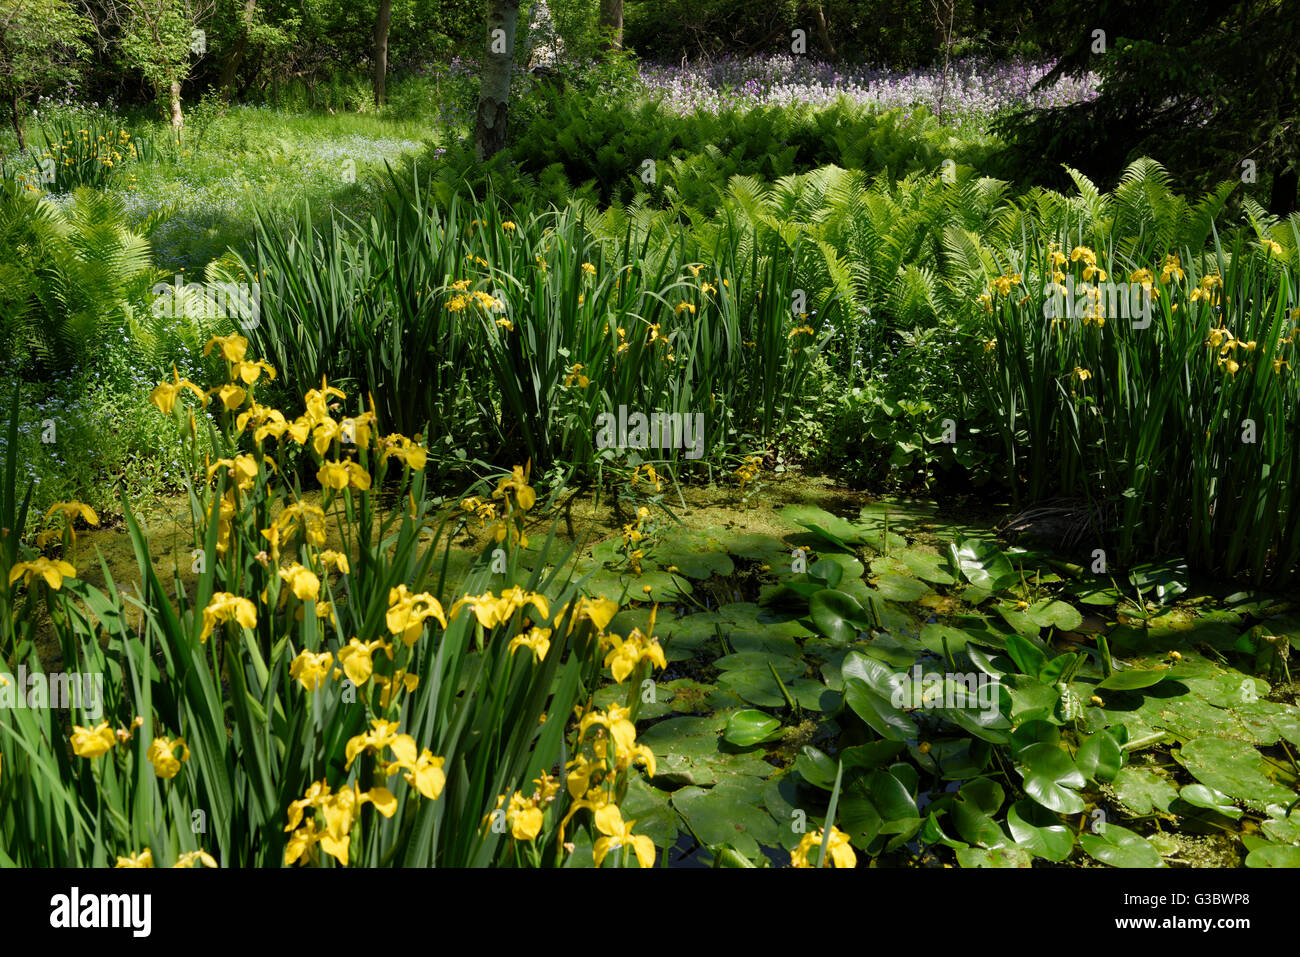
[960, 704]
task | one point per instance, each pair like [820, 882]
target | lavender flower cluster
[976, 89]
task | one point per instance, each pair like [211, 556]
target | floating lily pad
[1054, 614]
[1120, 847]
[780, 797]
[1161, 581]
[899, 587]
[827, 572]
[729, 813]
[749, 727]
[788, 668]
[757, 547]
[1133, 680]
[831, 528]
[1227, 689]
[1010, 855]
[1233, 767]
[1283, 830]
[663, 586]
[872, 755]
[1274, 855]
[1198, 795]
[1190, 717]
[1050, 777]
[1099, 757]
[982, 564]
[691, 751]
[774, 644]
[877, 711]
[758, 687]
[973, 809]
[685, 696]
[933, 635]
[694, 554]
[1031, 700]
[838, 616]
[649, 807]
[898, 651]
[1144, 792]
[1039, 831]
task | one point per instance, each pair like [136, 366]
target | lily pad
[758, 687]
[730, 813]
[1161, 581]
[1039, 831]
[838, 616]
[1144, 792]
[1274, 855]
[787, 668]
[1009, 855]
[980, 563]
[691, 751]
[899, 587]
[1133, 680]
[1054, 614]
[781, 798]
[1120, 847]
[1099, 757]
[749, 727]
[877, 711]
[1050, 777]
[831, 528]
[1233, 767]
[648, 806]
[933, 635]
[1198, 795]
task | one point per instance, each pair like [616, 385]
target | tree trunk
[824, 34]
[611, 24]
[494, 86]
[236, 59]
[18, 126]
[381, 51]
[1282, 202]
[178, 118]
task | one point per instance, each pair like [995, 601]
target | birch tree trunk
[178, 117]
[494, 85]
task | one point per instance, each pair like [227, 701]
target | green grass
[231, 162]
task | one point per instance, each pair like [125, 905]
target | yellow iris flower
[407, 613]
[310, 669]
[162, 754]
[617, 834]
[227, 607]
[839, 852]
[92, 742]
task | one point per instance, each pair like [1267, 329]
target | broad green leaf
[1198, 795]
[749, 727]
[1120, 847]
[1049, 777]
[838, 616]
[1039, 831]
